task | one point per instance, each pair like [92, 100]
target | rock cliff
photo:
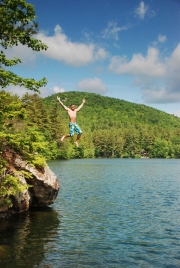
[43, 191]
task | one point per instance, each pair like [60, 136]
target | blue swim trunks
[74, 127]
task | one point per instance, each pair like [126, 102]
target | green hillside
[120, 112]
[117, 128]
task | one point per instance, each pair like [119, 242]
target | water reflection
[24, 240]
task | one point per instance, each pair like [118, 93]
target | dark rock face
[44, 190]
[21, 200]
[45, 184]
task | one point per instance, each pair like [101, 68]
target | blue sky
[124, 49]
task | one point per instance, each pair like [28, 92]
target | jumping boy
[72, 120]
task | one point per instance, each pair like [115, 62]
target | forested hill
[99, 110]
[114, 128]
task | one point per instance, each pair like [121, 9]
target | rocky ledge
[43, 191]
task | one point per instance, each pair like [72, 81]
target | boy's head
[72, 107]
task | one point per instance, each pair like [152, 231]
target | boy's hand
[83, 100]
[58, 98]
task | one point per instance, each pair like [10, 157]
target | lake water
[108, 213]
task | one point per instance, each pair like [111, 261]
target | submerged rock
[43, 191]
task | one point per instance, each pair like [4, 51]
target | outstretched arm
[83, 101]
[62, 104]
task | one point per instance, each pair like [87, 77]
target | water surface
[109, 213]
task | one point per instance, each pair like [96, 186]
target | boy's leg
[79, 132]
[78, 137]
[65, 136]
[71, 132]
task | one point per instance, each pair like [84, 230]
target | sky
[123, 49]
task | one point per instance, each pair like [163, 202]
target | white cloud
[169, 91]
[100, 54]
[177, 113]
[112, 31]
[172, 78]
[93, 85]
[149, 65]
[71, 53]
[158, 80]
[20, 91]
[44, 91]
[58, 89]
[141, 10]
[60, 48]
[159, 95]
[22, 52]
[174, 63]
[161, 38]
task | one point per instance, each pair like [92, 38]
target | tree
[160, 149]
[18, 137]
[17, 26]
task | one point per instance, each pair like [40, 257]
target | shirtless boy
[72, 120]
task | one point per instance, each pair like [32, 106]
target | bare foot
[76, 143]
[62, 138]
